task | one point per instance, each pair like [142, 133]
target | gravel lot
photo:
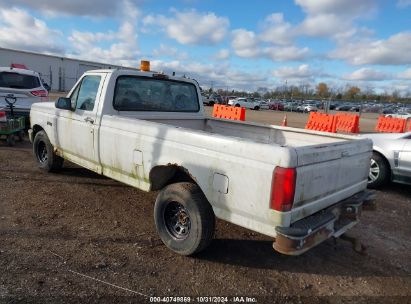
[66, 237]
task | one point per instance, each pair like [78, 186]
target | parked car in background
[207, 101]
[391, 159]
[291, 106]
[404, 113]
[343, 107]
[276, 105]
[355, 108]
[245, 102]
[23, 87]
[263, 104]
[46, 86]
[306, 108]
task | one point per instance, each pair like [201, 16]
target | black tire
[44, 154]
[184, 218]
[211, 103]
[379, 173]
[237, 105]
[256, 108]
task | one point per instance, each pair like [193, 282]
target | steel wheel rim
[177, 220]
[374, 171]
[42, 152]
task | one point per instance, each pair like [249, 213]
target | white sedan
[245, 103]
[391, 159]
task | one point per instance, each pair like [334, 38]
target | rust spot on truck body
[297, 246]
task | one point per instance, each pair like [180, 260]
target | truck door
[77, 129]
[405, 159]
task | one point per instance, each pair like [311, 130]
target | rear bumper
[331, 222]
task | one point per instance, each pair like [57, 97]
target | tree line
[320, 91]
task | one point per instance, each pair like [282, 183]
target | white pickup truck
[149, 131]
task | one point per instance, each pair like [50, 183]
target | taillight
[40, 93]
[283, 189]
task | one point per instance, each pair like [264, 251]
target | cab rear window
[133, 93]
[18, 81]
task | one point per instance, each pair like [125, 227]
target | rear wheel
[256, 108]
[184, 218]
[43, 152]
[237, 105]
[379, 171]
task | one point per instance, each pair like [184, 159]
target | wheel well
[385, 160]
[161, 176]
[36, 129]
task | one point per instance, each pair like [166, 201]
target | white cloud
[367, 74]
[169, 51]
[20, 30]
[403, 3]
[341, 7]
[333, 18]
[124, 43]
[393, 51]
[405, 75]
[276, 30]
[222, 54]
[285, 53]
[301, 72]
[324, 25]
[221, 76]
[71, 7]
[247, 44]
[191, 27]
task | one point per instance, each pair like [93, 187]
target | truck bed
[330, 167]
[266, 134]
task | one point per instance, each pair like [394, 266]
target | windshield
[18, 81]
[133, 93]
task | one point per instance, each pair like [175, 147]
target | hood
[385, 135]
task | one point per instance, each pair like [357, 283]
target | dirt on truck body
[76, 236]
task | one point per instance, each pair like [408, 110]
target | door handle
[89, 120]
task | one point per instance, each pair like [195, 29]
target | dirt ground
[78, 237]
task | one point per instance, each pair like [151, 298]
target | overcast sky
[235, 44]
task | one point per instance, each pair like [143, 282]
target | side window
[84, 96]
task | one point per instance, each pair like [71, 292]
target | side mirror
[63, 103]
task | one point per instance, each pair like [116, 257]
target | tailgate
[327, 174]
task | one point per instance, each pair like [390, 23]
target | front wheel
[46, 159]
[379, 171]
[184, 218]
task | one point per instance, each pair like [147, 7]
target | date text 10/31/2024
[236, 299]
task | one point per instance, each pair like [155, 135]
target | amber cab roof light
[145, 65]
